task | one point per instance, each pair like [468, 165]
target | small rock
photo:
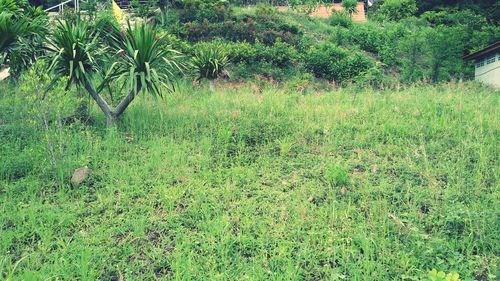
[80, 175]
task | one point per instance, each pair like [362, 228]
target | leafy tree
[411, 54]
[488, 8]
[479, 33]
[443, 48]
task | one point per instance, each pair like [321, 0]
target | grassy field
[248, 185]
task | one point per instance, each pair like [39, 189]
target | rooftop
[481, 53]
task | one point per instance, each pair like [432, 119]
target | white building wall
[488, 70]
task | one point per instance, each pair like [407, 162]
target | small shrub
[210, 10]
[241, 52]
[144, 9]
[280, 54]
[340, 19]
[331, 62]
[396, 10]
[209, 62]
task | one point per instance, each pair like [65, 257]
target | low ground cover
[250, 183]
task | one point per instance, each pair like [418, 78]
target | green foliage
[209, 62]
[12, 6]
[334, 63]
[146, 62]
[275, 61]
[396, 10]
[336, 175]
[435, 275]
[488, 8]
[478, 33]
[280, 54]
[22, 30]
[371, 37]
[340, 19]
[203, 10]
[106, 25]
[350, 6]
[443, 47]
[74, 52]
[145, 10]
[242, 52]
[262, 26]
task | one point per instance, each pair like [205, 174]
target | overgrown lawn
[239, 184]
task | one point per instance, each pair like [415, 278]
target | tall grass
[243, 184]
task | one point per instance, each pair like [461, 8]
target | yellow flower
[117, 11]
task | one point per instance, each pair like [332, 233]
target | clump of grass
[336, 175]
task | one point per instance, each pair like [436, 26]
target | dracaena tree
[140, 62]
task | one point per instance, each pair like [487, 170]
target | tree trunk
[110, 120]
[111, 115]
[125, 103]
[103, 105]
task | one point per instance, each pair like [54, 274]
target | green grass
[238, 184]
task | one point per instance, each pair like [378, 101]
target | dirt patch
[325, 11]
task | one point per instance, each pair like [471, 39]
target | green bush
[331, 62]
[201, 10]
[478, 31]
[396, 10]
[374, 38]
[209, 61]
[241, 52]
[280, 54]
[274, 61]
[340, 19]
[144, 9]
[243, 30]
[431, 53]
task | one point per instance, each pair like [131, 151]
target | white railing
[60, 7]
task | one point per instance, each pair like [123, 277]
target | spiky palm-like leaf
[22, 30]
[209, 63]
[73, 48]
[11, 29]
[145, 61]
[12, 6]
